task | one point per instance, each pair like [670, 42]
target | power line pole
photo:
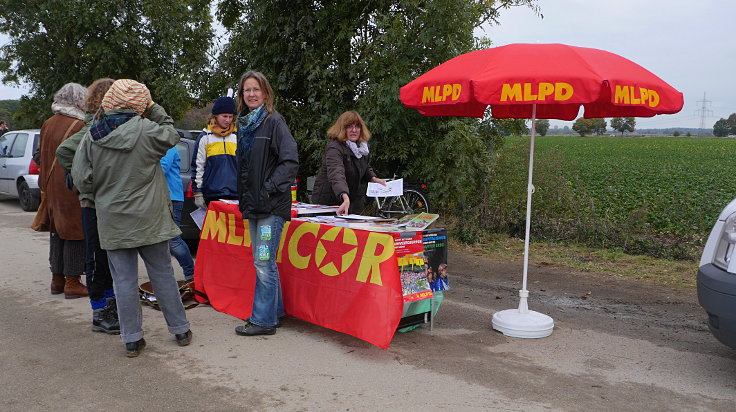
[704, 112]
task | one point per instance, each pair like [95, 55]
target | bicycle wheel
[409, 203]
[416, 201]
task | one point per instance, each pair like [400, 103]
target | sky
[687, 43]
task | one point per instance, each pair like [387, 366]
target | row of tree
[592, 126]
[724, 127]
[322, 58]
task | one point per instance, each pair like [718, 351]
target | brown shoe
[57, 283]
[74, 289]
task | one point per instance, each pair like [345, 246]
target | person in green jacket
[99, 280]
[118, 161]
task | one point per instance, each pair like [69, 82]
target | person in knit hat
[118, 162]
[215, 167]
[63, 213]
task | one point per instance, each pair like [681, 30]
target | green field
[659, 187]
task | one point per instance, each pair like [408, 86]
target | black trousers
[96, 267]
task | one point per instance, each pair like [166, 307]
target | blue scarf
[109, 123]
[247, 125]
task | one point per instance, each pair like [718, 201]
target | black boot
[134, 349]
[113, 305]
[105, 320]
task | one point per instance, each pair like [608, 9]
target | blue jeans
[268, 304]
[178, 248]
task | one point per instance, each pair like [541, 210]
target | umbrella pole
[524, 293]
[522, 322]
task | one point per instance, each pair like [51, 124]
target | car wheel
[28, 202]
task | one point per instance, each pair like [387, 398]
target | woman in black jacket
[345, 171]
[268, 162]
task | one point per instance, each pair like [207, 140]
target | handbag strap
[66, 136]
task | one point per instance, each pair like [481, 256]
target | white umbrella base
[513, 323]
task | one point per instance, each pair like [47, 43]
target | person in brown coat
[64, 214]
[345, 172]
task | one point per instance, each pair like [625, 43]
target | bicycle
[413, 200]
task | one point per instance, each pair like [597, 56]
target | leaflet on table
[359, 217]
[328, 220]
[392, 188]
[419, 221]
[311, 209]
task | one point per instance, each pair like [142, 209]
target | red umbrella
[546, 81]
[556, 77]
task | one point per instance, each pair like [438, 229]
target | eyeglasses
[254, 90]
[353, 126]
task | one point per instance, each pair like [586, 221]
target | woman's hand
[345, 206]
[377, 180]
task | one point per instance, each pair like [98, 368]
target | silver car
[18, 171]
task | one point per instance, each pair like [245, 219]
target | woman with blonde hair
[268, 161]
[345, 172]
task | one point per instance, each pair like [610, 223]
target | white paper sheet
[392, 188]
[358, 217]
[198, 217]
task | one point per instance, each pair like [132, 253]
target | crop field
[672, 186]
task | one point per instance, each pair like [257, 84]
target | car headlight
[726, 244]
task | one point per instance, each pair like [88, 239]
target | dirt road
[622, 347]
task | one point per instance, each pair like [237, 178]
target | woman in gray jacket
[118, 162]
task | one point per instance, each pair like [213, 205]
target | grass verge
[604, 262]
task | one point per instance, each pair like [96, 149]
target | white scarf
[67, 110]
[358, 151]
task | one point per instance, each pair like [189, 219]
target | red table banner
[339, 278]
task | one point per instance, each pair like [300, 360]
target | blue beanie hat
[224, 105]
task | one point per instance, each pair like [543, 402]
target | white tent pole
[524, 293]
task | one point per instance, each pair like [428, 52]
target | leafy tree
[676, 133]
[598, 126]
[721, 128]
[732, 123]
[542, 126]
[7, 109]
[623, 124]
[324, 58]
[162, 44]
[582, 126]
